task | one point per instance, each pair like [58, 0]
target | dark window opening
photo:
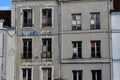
[27, 17]
[95, 20]
[77, 75]
[96, 75]
[96, 49]
[27, 74]
[27, 49]
[77, 49]
[47, 48]
[46, 17]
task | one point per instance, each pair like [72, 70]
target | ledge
[85, 60]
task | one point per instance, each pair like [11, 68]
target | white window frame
[22, 17]
[21, 73]
[42, 15]
[41, 71]
[76, 21]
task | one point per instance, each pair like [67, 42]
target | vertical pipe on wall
[109, 39]
[59, 37]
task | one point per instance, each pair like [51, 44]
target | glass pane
[93, 75]
[74, 75]
[73, 22]
[98, 54]
[98, 49]
[92, 44]
[79, 55]
[24, 73]
[73, 17]
[92, 21]
[92, 49]
[98, 43]
[25, 49]
[49, 42]
[29, 72]
[78, 17]
[79, 75]
[74, 44]
[29, 14]
[79, 44]
[92, 54]
[73, 27]
[99, 76]
[49, 74]
[78, 22]
[78, 27]
[79, 50]
[47, 17]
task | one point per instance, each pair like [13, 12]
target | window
[27, 49]
[77, 49]
[76, 22]
[27, 74]
[47, 74]
[77, 75]
[95, 49]
[46, 17]
[95, 20]
[96, 75]
[47, 48]
[27, 17]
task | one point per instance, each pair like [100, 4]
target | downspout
[110, 40]
[59, 37]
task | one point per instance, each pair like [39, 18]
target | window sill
[45, 27]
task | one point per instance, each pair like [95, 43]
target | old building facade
[62, 39]
[85, 40]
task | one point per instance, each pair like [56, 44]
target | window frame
[97, 52]
[96, 22]
[96, 74]
[76, 74]
[41, 15]
[78, 46]
[28, 40]
[76, 27]
[41, 71]
[22, 17]
[47, 47]
[21, 71]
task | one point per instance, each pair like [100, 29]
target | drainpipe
[110, 40]
[59, 37]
